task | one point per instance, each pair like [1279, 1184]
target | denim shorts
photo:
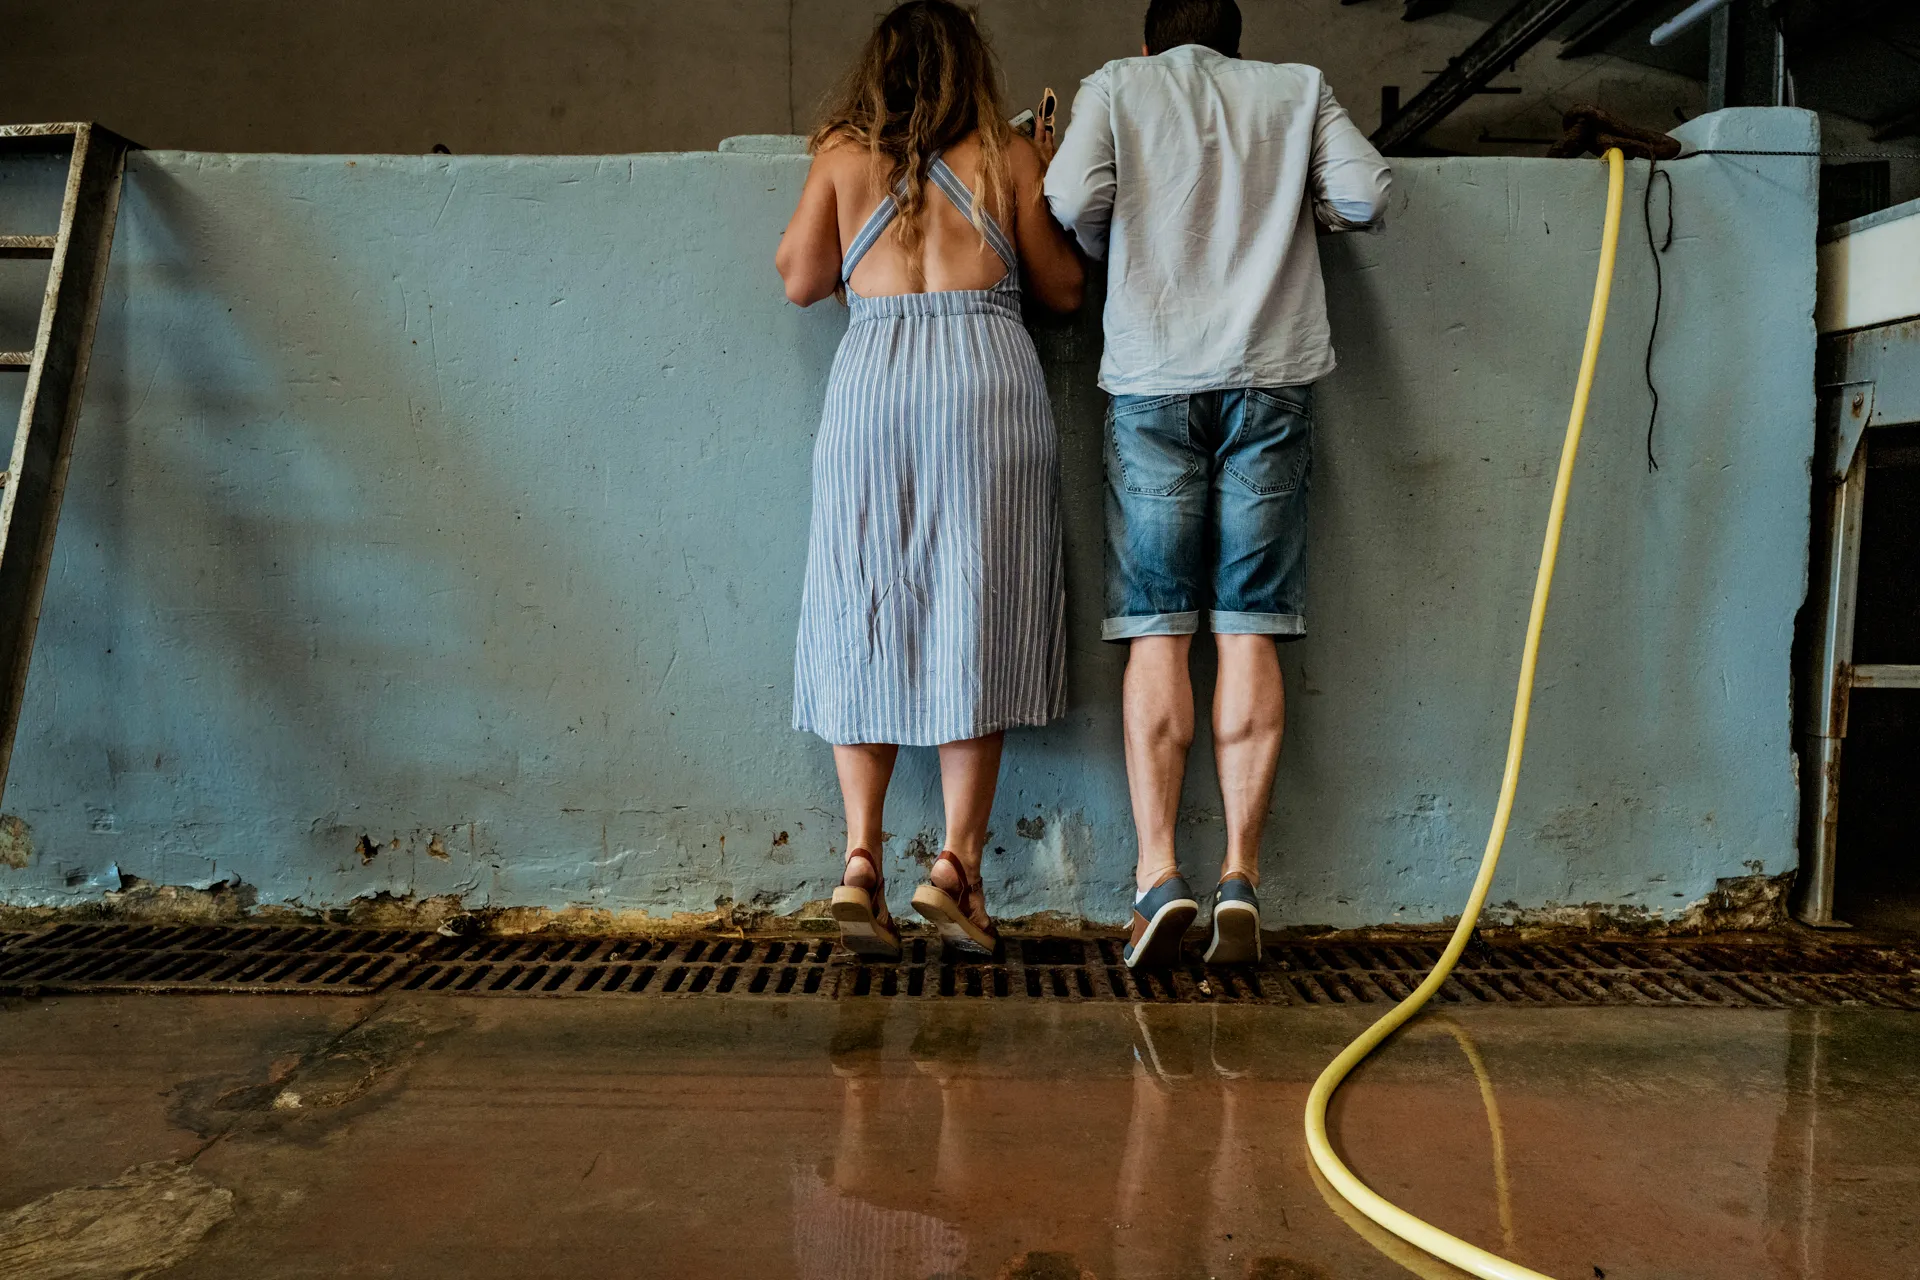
[1207, 512]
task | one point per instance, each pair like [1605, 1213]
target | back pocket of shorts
[1152, 448]
[1271, 451]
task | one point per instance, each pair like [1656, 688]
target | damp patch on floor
[146, 1220]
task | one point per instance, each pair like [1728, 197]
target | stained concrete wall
[608, 76]
[436, 527]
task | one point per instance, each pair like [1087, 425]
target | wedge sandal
[961, 918]
[866, 926]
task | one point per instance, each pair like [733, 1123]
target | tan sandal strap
[964, 898]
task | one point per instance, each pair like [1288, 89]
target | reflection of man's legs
[1153, 1228]
[1237, 1208]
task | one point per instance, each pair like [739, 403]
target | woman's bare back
[956, 255]
[842, 193]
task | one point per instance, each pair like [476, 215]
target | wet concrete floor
[267, 1137]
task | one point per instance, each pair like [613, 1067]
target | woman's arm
[808, 259]
[1049, 267]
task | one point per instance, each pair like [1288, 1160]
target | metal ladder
[56, 374]
[1869, 379]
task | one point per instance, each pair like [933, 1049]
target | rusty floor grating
[239, 958]
[1769, 972]
[1724, 974]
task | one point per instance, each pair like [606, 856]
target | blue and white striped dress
[935, 604]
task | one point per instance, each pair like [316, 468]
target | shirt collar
[1193, 53]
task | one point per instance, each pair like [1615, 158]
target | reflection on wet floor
[958, 1139]
[848, 1224]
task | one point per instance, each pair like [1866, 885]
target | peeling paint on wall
[16, 842]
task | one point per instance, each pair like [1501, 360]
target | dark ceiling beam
[1903, 125]
[1515, 32]
[1831, 25]
[1606, 25]
[1746, 57]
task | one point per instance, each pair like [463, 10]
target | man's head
[1213, 23]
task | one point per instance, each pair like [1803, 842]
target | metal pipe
[1600, 29]
[1685, 20]
[1834, 578]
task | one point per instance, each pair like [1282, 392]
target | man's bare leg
[1157, 705]
[1249, 711]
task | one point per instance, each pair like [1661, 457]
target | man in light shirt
[1199, 177]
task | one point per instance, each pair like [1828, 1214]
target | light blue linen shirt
[1192, 174]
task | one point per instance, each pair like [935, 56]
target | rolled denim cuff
[1223, 623]
[1150, 624]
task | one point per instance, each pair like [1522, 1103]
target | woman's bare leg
[969, 774]
[865, 770]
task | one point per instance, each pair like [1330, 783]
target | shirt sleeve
[1349, 180]
[1079, 186]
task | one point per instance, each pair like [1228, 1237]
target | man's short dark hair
[1213, 23]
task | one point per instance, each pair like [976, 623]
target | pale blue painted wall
[465, 498]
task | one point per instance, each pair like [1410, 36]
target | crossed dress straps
[949, 182]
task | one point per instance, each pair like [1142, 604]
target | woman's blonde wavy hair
[925, 80]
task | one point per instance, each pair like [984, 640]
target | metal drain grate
[1766, 973]
[629, 967]
[107, 958]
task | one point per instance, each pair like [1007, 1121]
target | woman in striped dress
[934, 608]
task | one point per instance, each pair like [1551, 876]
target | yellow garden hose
[1393, 1247]
[1425, 1235]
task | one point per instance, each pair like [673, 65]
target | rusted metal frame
[1605, 26]
[1871, 379]
[1885, 675]
[43, 441]
[1511, 35]
[27, 246]
[58, 129]
[1834, 583]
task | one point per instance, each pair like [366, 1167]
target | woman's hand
[1050, 270]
